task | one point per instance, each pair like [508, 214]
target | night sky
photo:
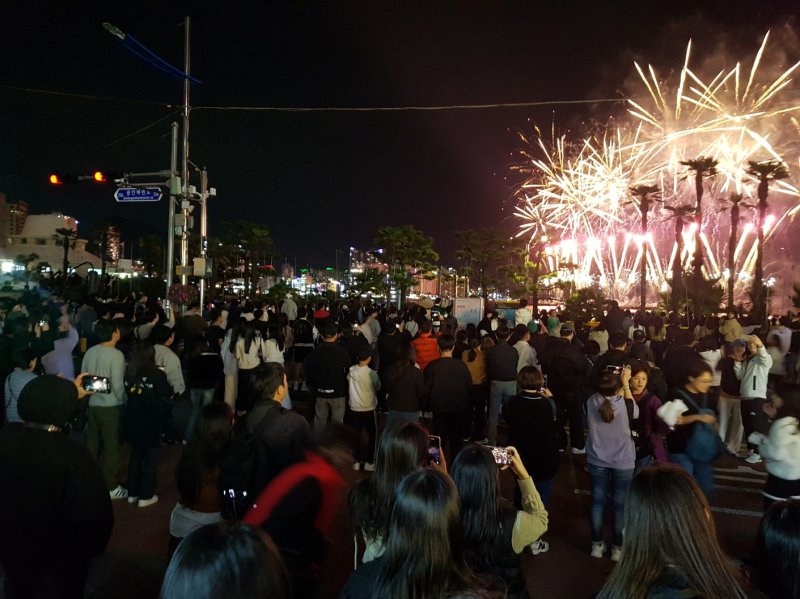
[328, 180]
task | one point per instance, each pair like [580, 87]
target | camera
[501, 456]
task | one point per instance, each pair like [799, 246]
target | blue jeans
[499, 392]
[703, 472]
[620, 483]
[200, 399]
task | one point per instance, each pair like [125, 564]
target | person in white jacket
[753, 372]
[781, 451]
[364, 384]
[522, 315]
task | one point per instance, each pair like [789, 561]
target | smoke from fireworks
[577, 192]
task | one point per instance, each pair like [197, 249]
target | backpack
[245, 468]
[303, 331]
[704, 445]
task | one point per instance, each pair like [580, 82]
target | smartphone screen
[544, 382]
[435, 449]
[501, 455]
[96, 384]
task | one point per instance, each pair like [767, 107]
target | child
[364, 386]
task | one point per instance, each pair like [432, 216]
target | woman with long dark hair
[495, 532]
[249, 350]
[197, 474]
[405, 387]
[424, 556]
[475, 359]
[403, 448]
[778, 557]
[147, 409]
[670, 546]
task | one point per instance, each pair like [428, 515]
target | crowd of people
[283, 399]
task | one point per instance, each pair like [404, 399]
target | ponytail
[607, 410]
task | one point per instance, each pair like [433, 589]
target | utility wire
[145, 128]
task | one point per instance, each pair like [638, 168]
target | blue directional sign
[137, 194]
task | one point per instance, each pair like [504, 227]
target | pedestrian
[501, 367]
[326, 374]
[753, 372]
[206, 371]
[249, 353]
[364, 385]
[405, 387]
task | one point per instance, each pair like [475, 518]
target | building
[38, 236]
[12, 218]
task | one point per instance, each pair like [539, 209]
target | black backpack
[303, 331]
[245, 467]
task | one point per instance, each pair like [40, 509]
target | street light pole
[203, 232]
[171, 230]
[185, 165]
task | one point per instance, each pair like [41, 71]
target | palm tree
[702, 167]
[735, 201]
[770, 170]
[67, 237]
[680, 214]
[643, 197]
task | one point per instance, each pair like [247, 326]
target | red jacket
[427, 349]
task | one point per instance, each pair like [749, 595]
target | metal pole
[185, 165]
[171, 229]
[203, 231]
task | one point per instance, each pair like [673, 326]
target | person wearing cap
[56, 508]
[326, 374]
[364, 385]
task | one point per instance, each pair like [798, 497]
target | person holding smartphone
[495, 532]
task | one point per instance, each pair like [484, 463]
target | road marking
[727, 510]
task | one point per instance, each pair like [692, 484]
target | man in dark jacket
[56, 508]
[449, 386]
[614, 318]
[326, 374]
[677, 356]
[501, 368]
[568, 370]
[616, 355]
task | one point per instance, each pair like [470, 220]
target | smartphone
[435, 449]
[42, 322]
[614, 369]
[544, 383]
[96, 384]
[501, 455]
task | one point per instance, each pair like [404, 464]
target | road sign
[137, 194]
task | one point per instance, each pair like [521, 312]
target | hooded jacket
[753, 374]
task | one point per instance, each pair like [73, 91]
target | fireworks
[578, 192]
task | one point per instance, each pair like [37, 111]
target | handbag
[704, 444]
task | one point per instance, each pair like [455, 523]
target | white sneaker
[616, 553]
[577, 451]
[598, 549]
[369, 467]
[356, 466]
[148, 502]
[539, 546]
[753, 458]
[133, 499]
[119, 493]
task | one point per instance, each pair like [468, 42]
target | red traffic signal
[99, 177]
[95, 177]
[55, 179]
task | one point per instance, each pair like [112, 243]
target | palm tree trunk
[697, 260]
[677, 267]
[643, 266]
[759, 305]
[731, 252]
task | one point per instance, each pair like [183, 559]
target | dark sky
[327, 180]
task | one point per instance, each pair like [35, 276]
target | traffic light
[95, 177]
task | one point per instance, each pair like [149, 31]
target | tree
[479, 251]
[521, 273]
[253, 240]
[770, 170]
[680, 215]
[796, 296]
[708, 299]
[408, 253]
[25, 262]
[370, 280]
[644, 196]
[151, 253]
[67, 237]
[735, 201]
[702, 167]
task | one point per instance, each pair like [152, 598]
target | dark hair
[518, 333]
[235, 561]
[523, 302]
[248, 333]
[445, 342]
[104, 330]
[266, 379]
[608, 385]
[502, 333]
[530, 378]
[23, 356]
[639, 336]
[696, 367]
[203, 453]
[403, 448]
[424, 546]
[617, 339]
[637, 367]
[425, 326]
[668, 523]
[141, 360]
[592, 347]
[778, 552]
[475, 474]
[274, 332]
[474, 346]
[160, 334]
